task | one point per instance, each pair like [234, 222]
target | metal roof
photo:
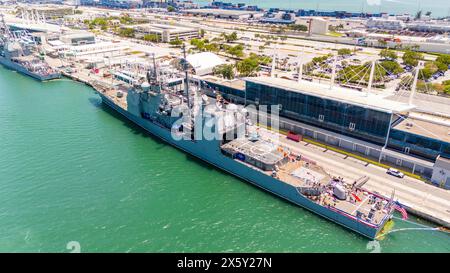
[204, 62]
[337, 93]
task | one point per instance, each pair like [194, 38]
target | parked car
[395, 172]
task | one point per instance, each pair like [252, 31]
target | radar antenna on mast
[5, 27]
[186, 79]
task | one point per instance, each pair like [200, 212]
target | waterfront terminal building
[361, 122]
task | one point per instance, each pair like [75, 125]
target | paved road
[414, 193]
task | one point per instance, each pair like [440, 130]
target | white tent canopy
[203, 63]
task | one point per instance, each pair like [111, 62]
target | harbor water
[72, 171]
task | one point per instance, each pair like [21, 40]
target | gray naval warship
[16, 53]
[221, 134]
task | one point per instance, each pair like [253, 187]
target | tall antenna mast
[154, 68]
[186, 79]
[6, 28]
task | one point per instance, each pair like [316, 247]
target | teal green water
[73, 170]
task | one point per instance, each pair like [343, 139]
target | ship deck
[111, 93]
[303, 173]
[281, 163]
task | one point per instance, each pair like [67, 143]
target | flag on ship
[401, 209]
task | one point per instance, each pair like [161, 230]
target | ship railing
[348, 215]
[302, 190]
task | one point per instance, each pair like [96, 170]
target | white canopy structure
[203, 63]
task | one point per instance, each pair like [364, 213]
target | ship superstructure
[222, 135]
[17, 52]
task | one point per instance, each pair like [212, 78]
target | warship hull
[207, 151]
[17, 67]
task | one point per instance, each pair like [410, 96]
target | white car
[395, 173]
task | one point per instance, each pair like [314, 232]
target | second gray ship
[17, 53]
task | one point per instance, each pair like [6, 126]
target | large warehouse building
[167, 33]
[365, 123]
[224, 13]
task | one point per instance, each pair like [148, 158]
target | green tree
[382, 43]
[170, 9]
[212, 47]
[444, 58]
[225, 70]
[237, 51]
[426, 72]
[126, 19]
[360, 74]
[297, 27]
[126, 32]
[388, 54]
[250, 65]
[230, 37]
[151, 38]
[441, 66]
[412, 58]
[198, 44]
[344, 51]
[262, 59]
[418, 15]
[392, 67]
[247, 67]
[177, 42]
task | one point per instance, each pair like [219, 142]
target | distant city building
[222, 13]
[187, 4]
[441, 39]
[385, 23]
[439, 27]
[102, 49]
[41, 1]
[80, 38]
[231, 6]
[318, 25]
[156, 3]
[337, 14]
[166, 33]
[405, 17]
[8, 2]
[123, 4]
[47, 12]
[278, 17]
[89, 2]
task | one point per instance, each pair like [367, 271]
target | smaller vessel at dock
[16, 53]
